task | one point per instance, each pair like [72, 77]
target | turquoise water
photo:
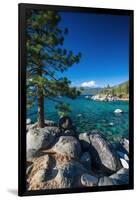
[88, 115]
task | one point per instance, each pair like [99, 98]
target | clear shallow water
[88, 115]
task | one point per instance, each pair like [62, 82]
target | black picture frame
[22, 100]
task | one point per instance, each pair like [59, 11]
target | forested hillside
[121, 90]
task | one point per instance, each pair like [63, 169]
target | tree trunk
[40, 111]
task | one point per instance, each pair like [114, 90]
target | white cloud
[88, 84]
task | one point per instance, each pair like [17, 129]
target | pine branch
[50, 74]
[55, 100]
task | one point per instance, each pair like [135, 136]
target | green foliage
[121, 90]
[46, 57]
[64, 109]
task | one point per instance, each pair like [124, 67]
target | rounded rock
[41, 137]
[88, 180]
[124, 163]
[49, 123]
[84, 140]
[121, 176]
[103, 154]
[65, 123]
[118, 111]
[68, 146]
[28, 121]
[103, 181]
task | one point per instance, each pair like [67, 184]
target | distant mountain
[126, 83]
[121, 90]
[91, 91]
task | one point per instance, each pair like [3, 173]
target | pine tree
[46, 58]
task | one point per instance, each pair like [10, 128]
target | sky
[103, 41]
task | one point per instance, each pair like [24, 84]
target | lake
[89, 114]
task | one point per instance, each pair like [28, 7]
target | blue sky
[103, 41]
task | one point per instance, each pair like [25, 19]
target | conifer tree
[46, 58]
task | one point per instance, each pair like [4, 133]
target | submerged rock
[118, 111]
[88, 180]
[79, 115]
[68, 146]
[111, 124]
[41, 137]
[104, 156]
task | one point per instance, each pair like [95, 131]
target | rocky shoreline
[101, 97]
[58, 157]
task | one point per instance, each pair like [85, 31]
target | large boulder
[105, 158]
[69, 171]
[55, 172]
[65, 123]
[39, 177]
[88, 180]
[49, 123]
[68, 146]
[41, 137]
[35, 125]
[84, 140]
[31, 126]
[39, 172]
[30, 154]
[69, 174]
[70, 132]
[64, 179]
